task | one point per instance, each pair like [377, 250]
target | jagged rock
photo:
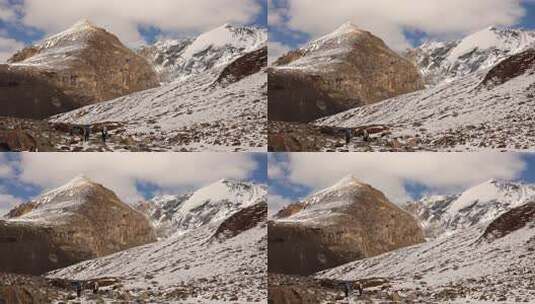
[343, 223]
[78, 221]
[82, 65]
[340, 71]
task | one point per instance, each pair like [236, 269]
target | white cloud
[7, 47]
[123, 17]
[389, 172]
[276, 50]
[389, 18]
[121, 171]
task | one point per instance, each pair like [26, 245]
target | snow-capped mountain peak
[208, 205]
[475, 206]
[449, 60]
[179, 59]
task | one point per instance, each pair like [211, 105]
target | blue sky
[133, 176]
[401, 24]
[24, 22]
[401, 176]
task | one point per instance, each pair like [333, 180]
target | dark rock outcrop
[510, 68]
[26, 94]
[80, 66]
[510, 222]
[241, 221]
[343, 223]
[244, 66]
[79, 221]
[340, 71]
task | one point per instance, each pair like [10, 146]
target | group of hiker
[85, 131]
[349, 135]
[79, 287]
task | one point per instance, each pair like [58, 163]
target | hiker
[87, 133]
[104, 134]
[348, 135]
[78, 287]
[95, 287]
[361, 290]
[348, 289]
[365, 135]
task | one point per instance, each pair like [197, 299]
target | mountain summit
[85, 63]
[451, 60]
[348, 221]
[341, 70]
[77, 221]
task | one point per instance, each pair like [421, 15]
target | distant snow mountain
[177, 59]
[476, 206]
[208, 205]
[451, 60]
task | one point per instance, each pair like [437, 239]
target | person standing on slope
[348, 134]
[104, 134]
[348, 290]
[78, 287]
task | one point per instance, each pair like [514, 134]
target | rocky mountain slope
[208, 205]
[468, 266]
[221, 109]
[344, 69]
[480, 111]
[343, 223]
[81, 65]
[450, 60]
[75, 222]
[476, 206]
[220, 262]
[178, 59]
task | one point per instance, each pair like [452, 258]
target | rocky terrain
[222, 109]
[222, 262]
[81, 65]
[342, 70]
[78, 221]
[343, 223]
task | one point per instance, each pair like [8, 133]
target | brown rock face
[79, 221]
[340, 71]
[27, 94]
[80, 66]
[343, 223]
